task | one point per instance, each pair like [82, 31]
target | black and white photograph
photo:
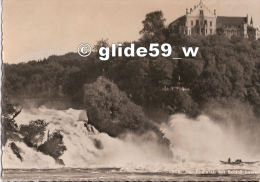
[130, 90]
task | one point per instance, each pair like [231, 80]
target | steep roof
[231, 21]
[179, 21]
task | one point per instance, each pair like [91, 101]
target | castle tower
[200, 20]
[251, 22]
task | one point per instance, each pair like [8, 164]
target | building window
[211, 23]
[202, 30]
[201, 12]
[210, 31]
[197, 22]
[191, 22]
[206, 31]
[205, 22]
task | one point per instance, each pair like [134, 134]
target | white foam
[197, 145]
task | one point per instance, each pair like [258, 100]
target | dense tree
[33, 133]
[101, 43]
[153, 27]
[10, 130]
[111, 111]
[53, 146]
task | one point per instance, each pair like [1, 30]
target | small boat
[238, 162]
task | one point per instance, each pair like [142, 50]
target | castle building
[201, 20]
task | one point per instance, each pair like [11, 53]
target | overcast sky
[34, 29]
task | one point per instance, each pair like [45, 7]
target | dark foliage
[224, 69]
[16, 150]
[34, 132]
[111, 111]
[10, 130]
[54, 145]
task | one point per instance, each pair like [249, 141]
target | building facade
[203, 21]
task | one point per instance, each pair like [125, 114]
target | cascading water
[196, 144]
[81, 143]
[202, 143]
[203, 136]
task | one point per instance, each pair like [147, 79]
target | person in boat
[238, 161]
[229, 160]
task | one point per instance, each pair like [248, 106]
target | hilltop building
[201, 20]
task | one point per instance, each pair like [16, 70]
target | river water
[116, 174]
